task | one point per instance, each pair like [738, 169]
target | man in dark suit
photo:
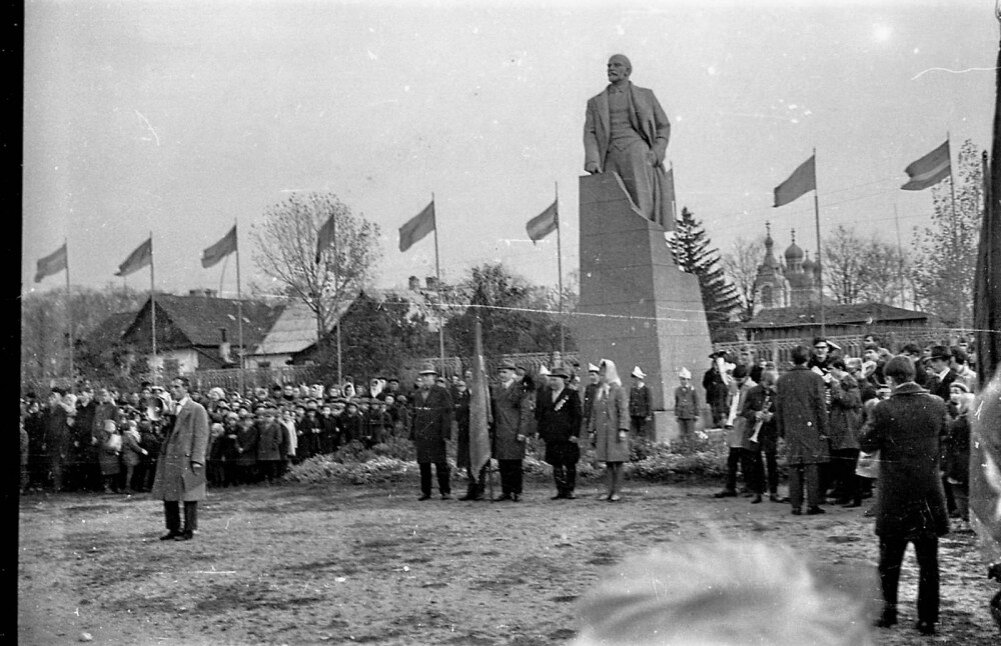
[626, 132]
[56, 422]
[906, 430]
[430, 428]
[589, 390]
[180, 470]
[942, 373]
[558, 413]
[801, 418]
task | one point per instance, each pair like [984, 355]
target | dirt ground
[297, 564]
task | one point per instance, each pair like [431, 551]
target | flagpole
[559, 268]
[674, 193]
[955, 212]
[239, 305]
[437, 271]
[69, 311]
[900, 256]
[152, 306]
[820, 274]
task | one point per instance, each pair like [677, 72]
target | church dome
[794, 255]
[809, 266]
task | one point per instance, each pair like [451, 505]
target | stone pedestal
[636, 307]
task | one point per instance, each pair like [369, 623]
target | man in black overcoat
[430, 427]
[906, 429]
[558, 413]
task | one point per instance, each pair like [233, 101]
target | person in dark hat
[943, 375]
[717, 390]
[512, 416]
[430, 429]
[558, 412]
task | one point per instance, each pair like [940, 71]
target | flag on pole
[141, 257]
[802, 181]
[417, 227]
[220, 250]
[325, 237]
[929, 170]
[51, 264]
[544, 223]
[479, 407]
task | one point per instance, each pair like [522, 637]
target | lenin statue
[626, 132]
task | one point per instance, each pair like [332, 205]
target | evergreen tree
[692, 253]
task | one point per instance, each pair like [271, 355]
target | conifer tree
[692, 253]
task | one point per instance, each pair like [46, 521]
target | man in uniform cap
[717, 388]
[639, 403]
[430, 428]
[512, 415]
[558, 414]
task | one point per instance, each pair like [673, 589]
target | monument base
[636, 307]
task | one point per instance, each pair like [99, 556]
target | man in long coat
[558, 412]
[56, 422]
[180, 471]
[906, 430]
[430, 428]
[801, 418]
[512, 417]
[626, 132]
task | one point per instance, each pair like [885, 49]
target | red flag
[51, 264]
[141, 257]
[929, 170]
[802, 181]
[417, 227]
[220, 250]
[479, 408]
[544, 223]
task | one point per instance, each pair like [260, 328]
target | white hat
[544, 371]
[639, 374]
[684, 373]
[592, 368]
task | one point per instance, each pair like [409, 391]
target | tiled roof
[199, 318]
[110, 330]
[293, 331]
[867, 313]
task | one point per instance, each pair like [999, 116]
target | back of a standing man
[801, 418]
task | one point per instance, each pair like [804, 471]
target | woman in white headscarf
[608, 426]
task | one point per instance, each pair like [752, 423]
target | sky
[181, 118]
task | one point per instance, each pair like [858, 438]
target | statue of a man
[626, 132]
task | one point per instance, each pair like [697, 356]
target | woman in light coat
[608, 426]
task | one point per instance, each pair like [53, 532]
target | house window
[263, 365]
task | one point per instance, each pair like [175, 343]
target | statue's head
[619, 68]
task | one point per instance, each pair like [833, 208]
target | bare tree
[861, 269]
[286, 251]
[740, 265]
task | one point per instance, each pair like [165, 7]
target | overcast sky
[179, 117]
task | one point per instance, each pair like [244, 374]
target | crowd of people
[833, 414]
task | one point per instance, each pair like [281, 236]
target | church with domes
[793, 283]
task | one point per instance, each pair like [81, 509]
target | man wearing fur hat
[639, 403]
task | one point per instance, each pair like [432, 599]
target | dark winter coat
[757, 399]
[801, 416]
[907, 429]
[246, 441]
[271, 442]
[845, 418]
[512, 416]
[185, 445]
[957, 450]
[461, 404]
[558, 421]
[431, 424]
[686, 402]
[639, 401]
